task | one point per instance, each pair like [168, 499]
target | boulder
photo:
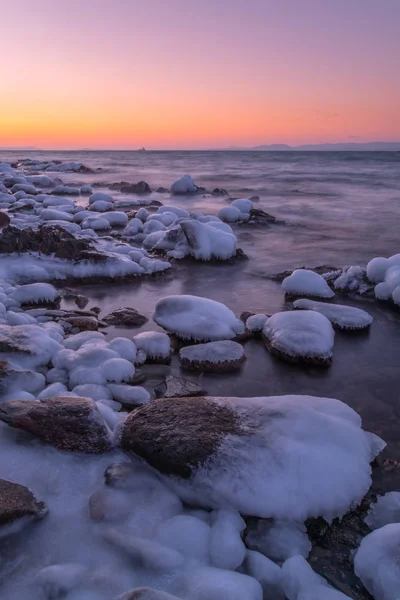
[17, 501]
[259, 456]
[125, 317]
[217, 357]
[73, 424]
[141, 188]
[178, 387]
[83, 323]
[4, 219]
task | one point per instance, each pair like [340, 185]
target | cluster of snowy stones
[172, 518]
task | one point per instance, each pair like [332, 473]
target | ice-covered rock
[300, 582]
[305, 336]
[184, 185]
[201, 319]
[255, 323]
[209, 583]
[353, 279]
[68, 423]
[377, 562]
[278, 540]
[306, 283]
[18, 501]
[129, 396]
[124, 347]
[267, 573]
[384, 511]
[56, 581]
[261, 456]
[156, 345]
[243, 204]
[341, 316]
[100, 197]
[51, 214]
[227, 550]
[117, 370]
[218, 356]
[30, 345]
[146, 593]
[207, 242]
[35, 293]
[116, 218]
[230, 214]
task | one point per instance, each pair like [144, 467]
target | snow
[124, 347]
[154, 344]
[184, 185]
[33, 293]
[74, 342]
[117, 370]
[376, 562]
[181, 213]
[256, 322]
[267, 573]
[208, 583]
[213, 352]
[187, 535]
[116, 218]
[300, 334]
[306, 457]
[100, 197]
[300, 582]
[207, 243]
[96, 223]
[306, 283]
[101, 206]
[376, 269]
[344, 317]
[39, 346]
[280, 540]
[55, 389]
[230, 214]
[82, 375]
[352, 279]
[50, 214]
[201, 319]
[244, 205]
[385, 510]
[92, 390]
[227, 550]
[129, 395]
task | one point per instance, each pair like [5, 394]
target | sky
[198, 73]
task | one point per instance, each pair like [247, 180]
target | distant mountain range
[17, 148]
[358, 146]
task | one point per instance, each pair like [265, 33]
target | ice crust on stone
[256, 323]
[201, 319]
[384, 511]
[34, 293]
[344, 317]
[300, 582]
[154, 344]
[184, 185]
[385, 272]
[213, 352]
[376, 562]
[300, 334]
[306, 283]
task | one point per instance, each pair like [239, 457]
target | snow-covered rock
[129, 396]
[300, 582]
[35, 293]
[261, 456]
[243, 204]
[209, 583]
[267, 573]
[300, 336]
[207, 243]
[184, 185]
[201, 319]
[220, 356]
[256, 323]
[230, 214]
[385, 510]
[377, 562]
[156, 345]
[116, 218]
[100, 197]
[341, 316]
[279, 540]
[306, 283]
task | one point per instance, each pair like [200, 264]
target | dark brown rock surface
[125, 316]
[17, 501]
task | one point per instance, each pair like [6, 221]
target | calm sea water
[340, 208]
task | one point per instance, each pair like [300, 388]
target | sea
[339, 208]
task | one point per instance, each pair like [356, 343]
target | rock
[81, 301]
[141, 188]
[261, 217]
[125, 317]
[118, 185]
[73, 424]
[83, 323]
[217, 357]
[162, 190]
[4, 219]
[219, 192]
[48, 239]
[178, 387]
[95, 309]
[17, 501]
[321, 270]
[17, 379]
[146, 593]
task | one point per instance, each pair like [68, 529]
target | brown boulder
[176, 435]
[4, 219]
[141, 188]
[83, 323]
[17, 501]
[126, 317]
[70, 424]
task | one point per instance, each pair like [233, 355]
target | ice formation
[156, 345]
[343, 317]
[384, 511]
[306, 283]
[201, 319]
[385, 272]
[184, 185]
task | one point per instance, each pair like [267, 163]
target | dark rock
[162, 190]
[176, 435]
[245, 315]
[48, 239]
[4, 219]
[261, 217]
[81, 301]
[70, 424]
[146, 593]
[126, 317]
[83, 323]
[95, 309]
[241, 255]
[219, 192]
[156, 203]
[118, 186]
[15, 339]
[141, 188]
[17, 501]
[178, 387]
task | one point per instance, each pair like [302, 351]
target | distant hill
[358, 146]
[17, 148]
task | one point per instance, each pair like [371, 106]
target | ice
[256, 322]
[201, 319]
[142, 214]
[124, 347]
[230, 214]
[188, 535]
[96, 223]
[206, 242]
[267, 573]
[82, 375]
[376, 269]
[154, 344]
[307, 457]
[66, 189]
[352, 279]
[227, 550]
[133, 227]
[376, 562]
[280, 540]
[33, 293]
[86, 189]
[300, 334]
[243, 204]
[184, 185]
[213, 352]
[166, 218]
[57, 376]
[384, 511]
[306, 283]
[58, 580]
[50, 214]
[344, 317]
[88, 356]
[100, 197]
[92, 390]
[116, 218]
[55, 389]
[117, 370]
[101, 206]
[14, 318]
[129, 395]
[300, 582]
[24, 187]
[181, 213]
[34, 346]
[209, 583]
[74, 342]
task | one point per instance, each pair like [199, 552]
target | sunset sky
[198, 73]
